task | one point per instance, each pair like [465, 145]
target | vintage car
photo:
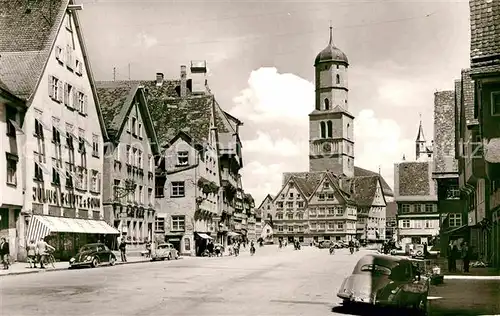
[386, 281]
[92, 255]
[164, 251]
[325, 244]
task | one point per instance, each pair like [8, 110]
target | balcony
[228, 178]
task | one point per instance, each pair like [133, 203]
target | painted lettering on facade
[68, 199]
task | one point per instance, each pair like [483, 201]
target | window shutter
[68, 56]
[85, 103]
[60, 91]
[75, 97]
[98, 189]
[51, 92]
[66, 95]
[80, 67]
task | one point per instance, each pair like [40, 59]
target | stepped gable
[26, 42]
[171, 113]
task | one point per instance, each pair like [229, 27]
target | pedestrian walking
[454, 256]
[41, 249]
[466, 257]
[4, 253]
[449, 253]
[148, 249]
[31, 251]
[123, 249]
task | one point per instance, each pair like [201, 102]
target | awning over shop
[455, 230]
[233, 234]
[41, 226]
[204, 236]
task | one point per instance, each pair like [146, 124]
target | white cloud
[279, 147]
[278, 105]
[379, 143]
[145, 40]
[272, 97]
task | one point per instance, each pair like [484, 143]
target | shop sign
[68, 199]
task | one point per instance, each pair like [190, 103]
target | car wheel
[169, 256]
[95, 262]
[112, 260]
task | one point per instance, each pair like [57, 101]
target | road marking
[434, 297]
[299, 302]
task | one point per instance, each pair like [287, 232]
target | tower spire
[420, 135]
[331, 33]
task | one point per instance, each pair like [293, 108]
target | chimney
[183, 81]
[159, 79]
[199, 77]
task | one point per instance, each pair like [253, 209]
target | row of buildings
[87, 160]
[334, 200]
[455, 195]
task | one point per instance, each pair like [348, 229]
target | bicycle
[49, 259]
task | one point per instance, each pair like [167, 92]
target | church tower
[422, 151]
[331, 139]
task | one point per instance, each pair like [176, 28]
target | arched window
[348, 131]
[322, 129]
[338, 79]
[329, 129]
[327, 104]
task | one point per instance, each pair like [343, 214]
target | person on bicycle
[42, 249]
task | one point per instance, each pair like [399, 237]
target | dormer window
[182, 158]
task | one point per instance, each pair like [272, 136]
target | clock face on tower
[327, 147]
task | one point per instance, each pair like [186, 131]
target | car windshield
[87, 248]
[375, 269]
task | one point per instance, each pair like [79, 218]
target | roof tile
[444, 132]
[413, 178]
[363, 190]
[113, 97]
[485, 31]
[26, 41]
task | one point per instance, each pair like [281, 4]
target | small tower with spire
[422, 151]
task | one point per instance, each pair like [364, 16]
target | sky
[260, 56]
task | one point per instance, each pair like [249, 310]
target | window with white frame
[129, 155]
[95, 145]
[139, 159]
[429, 208]
[116, 153]
[182, 158]
[178, 223]
[331, 211]
[177, 189]
[151, 163]
[150, 196]
[405, 223]
[289, 216]
[312, 212]
[55, 89]
[321, 211]
[322, 226]
[417, 208]
[159, 224]
[331, 226]
[134, 126]
[330, 196]
[59, 54]
[290, 229]
[340, 226]
[79, 67]
[321, 196]
[453, 192]
[69, 56]
[139, 129]
[455, 219]
[94, 181]
[280, 228]
[405, 208]
[11, 168]
[141, 194]
[289, 204]
[82, 102]
[279, 216]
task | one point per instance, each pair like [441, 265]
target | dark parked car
[325, 244]
[93, 255]
[386, 281]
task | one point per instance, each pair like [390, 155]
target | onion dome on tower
[331, 53]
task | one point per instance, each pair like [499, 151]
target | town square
[226, 158]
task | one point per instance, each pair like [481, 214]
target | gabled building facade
[263, 213]
[415, 194]
[44, 62]
[198, 168]
[485, 71]
[129, 168]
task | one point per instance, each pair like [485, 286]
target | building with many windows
[129, 168]
[198, 169]
[44, 63]
[318, 212]
[415, 193]
[263, 213]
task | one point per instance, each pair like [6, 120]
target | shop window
[187, 244]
